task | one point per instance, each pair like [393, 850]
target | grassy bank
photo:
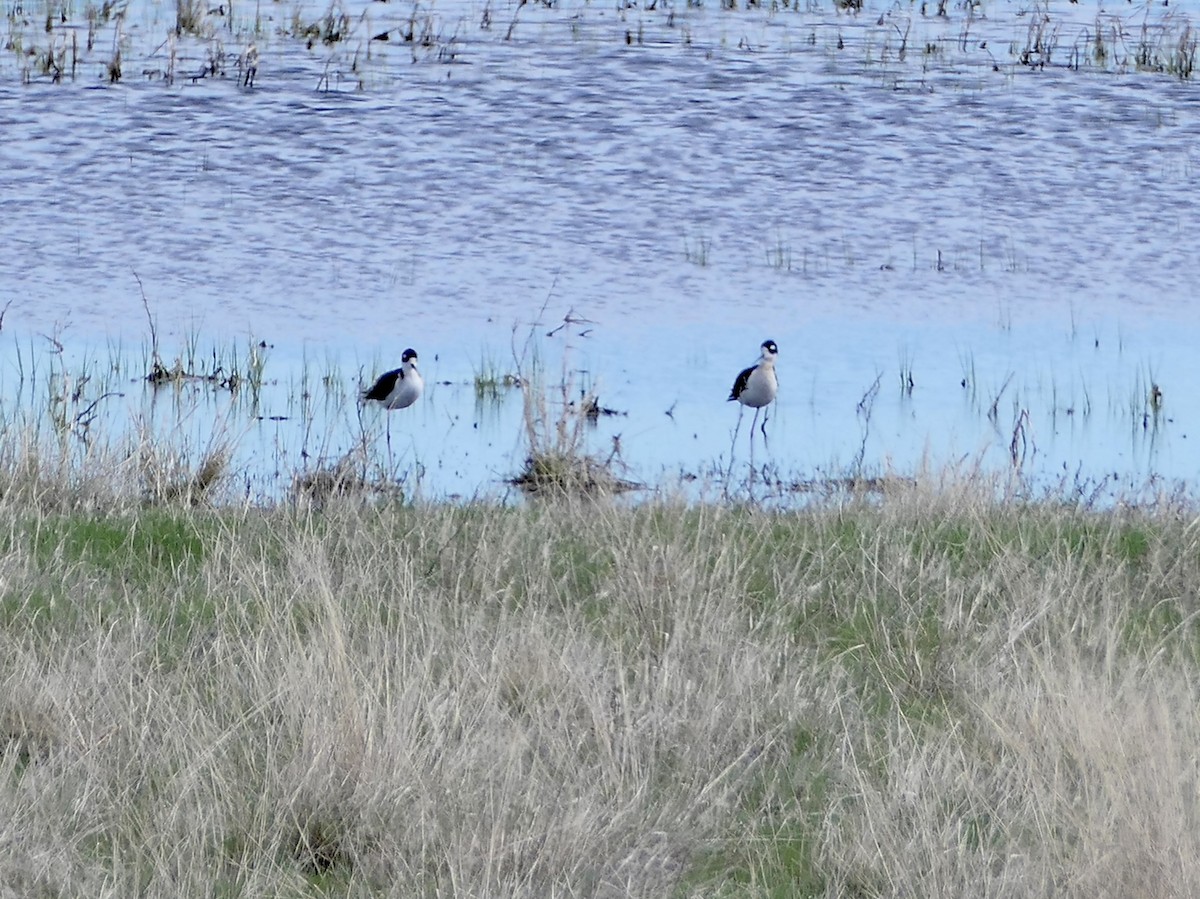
[928, 694]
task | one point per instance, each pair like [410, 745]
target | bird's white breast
[761, 387]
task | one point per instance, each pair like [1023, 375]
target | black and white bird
[757, 385]
[400, 387]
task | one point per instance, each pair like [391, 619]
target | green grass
[149, 544]
[924, 693]
[491, 382]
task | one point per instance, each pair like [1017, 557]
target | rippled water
[989, 213]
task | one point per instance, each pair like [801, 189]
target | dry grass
[556, 428]
[931, 693]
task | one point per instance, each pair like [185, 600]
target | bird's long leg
[736, 430]
[733, 447]
[752, 424]
[763, 427]
[388, 431]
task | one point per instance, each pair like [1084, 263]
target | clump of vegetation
[350, 477]
[491, 382]
[332, 28]
[556, 428]
[1041, 39]
[114, 66]
[232, 373]
[1182, 63]
[550, 472]
[191, 17]
[170, 478]
[1168, 47]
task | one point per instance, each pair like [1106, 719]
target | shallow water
[989, 227]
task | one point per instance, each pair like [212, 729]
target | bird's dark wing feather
[384, 386]
[740, 384]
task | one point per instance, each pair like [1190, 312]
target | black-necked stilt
[398, 388]
[757, 385]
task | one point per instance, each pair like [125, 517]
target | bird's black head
[769, 348]
[409, 355]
